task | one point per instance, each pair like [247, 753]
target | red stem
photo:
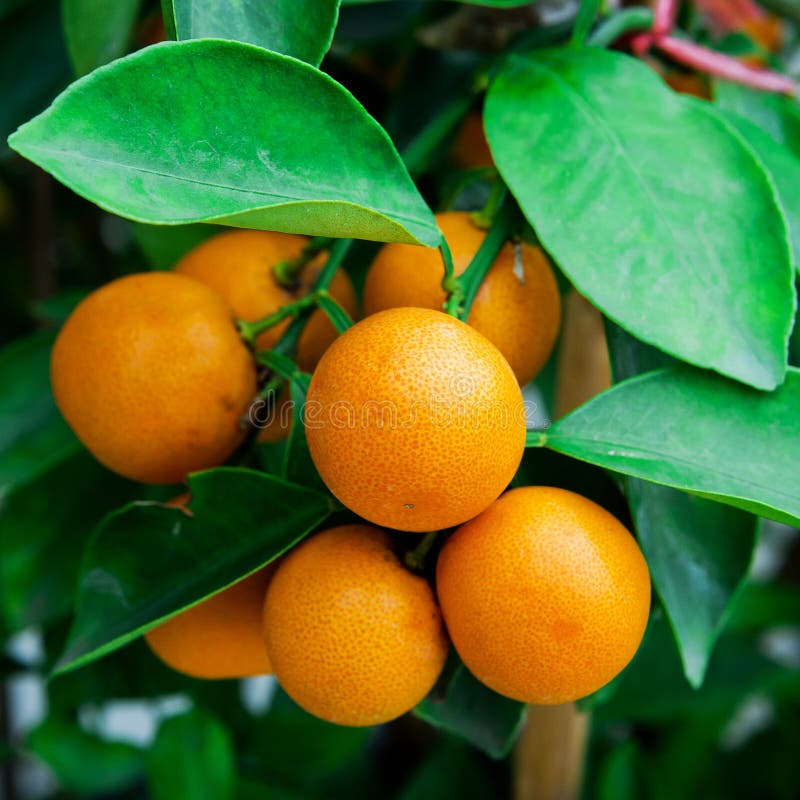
[664, 17]
[705, 60]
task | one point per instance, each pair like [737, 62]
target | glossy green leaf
[776, 114]
[33, 436]
[694, 431]
[192, 757]
[84, 763]
[214, 131]
[698, 551]
[299, 28]
[475, 713]
[594, 147]
[97, 31]
[45, 525]
[783, 166]
[240, 520]
[587, 13]
[450, 771]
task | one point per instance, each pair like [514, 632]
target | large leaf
[698, 551]
[776, 114]
[97, 31]
[147, 562]
[214, 131]
[299, 28]
[33, 436]
[192, 757]
[651, 204]
[476, 713]
[783, 166]
[692, 430]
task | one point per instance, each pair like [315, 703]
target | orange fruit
[221, 637]
[470, 149]
[414, 420]
[238, 265]
[353, 636]
[545, 595]
[517, 307]
[151, 374]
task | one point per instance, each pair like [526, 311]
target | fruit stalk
[288, 270]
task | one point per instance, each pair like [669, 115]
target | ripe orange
[238, 265]
[221, 637]
[545, 595]
[517, 307]
[414, 420]
[150, 373]
[353, 637]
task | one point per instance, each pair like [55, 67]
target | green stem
[250, 331]
[415, 559]
[338, 250]
[635, 18]
[496, 237]
[535, 439]
[485, 217]
[450, 283]
[287, 271]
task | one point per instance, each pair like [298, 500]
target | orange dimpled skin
[353, 636]
[517, 308]
[415, 420]
[238, 265]
[546, 595]
[222, 637]
[151, 374]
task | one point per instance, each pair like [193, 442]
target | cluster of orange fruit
[415, 422]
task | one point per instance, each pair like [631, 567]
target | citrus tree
[435, 359]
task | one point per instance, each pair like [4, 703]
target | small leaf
[97, 31]
[214, 131]
[299, 28]
[33, 436]
[297, 463]
[192, 757]
[335, 313]
[784, 168]
[475, 713]
[694, 431]
[239, 521]
[594, 147]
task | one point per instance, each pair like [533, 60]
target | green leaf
[694, 431]
[335, 313]
[82, 762]
[776, 114]
[594, 147]
[450, 771]
[698, 551]
[587, 13]
[214, 131]
[476, 713]
[97, 31]
[784, 168]
[192, 757]
[299, 28]
[45, 525]
[240, 520]
[33, 436]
